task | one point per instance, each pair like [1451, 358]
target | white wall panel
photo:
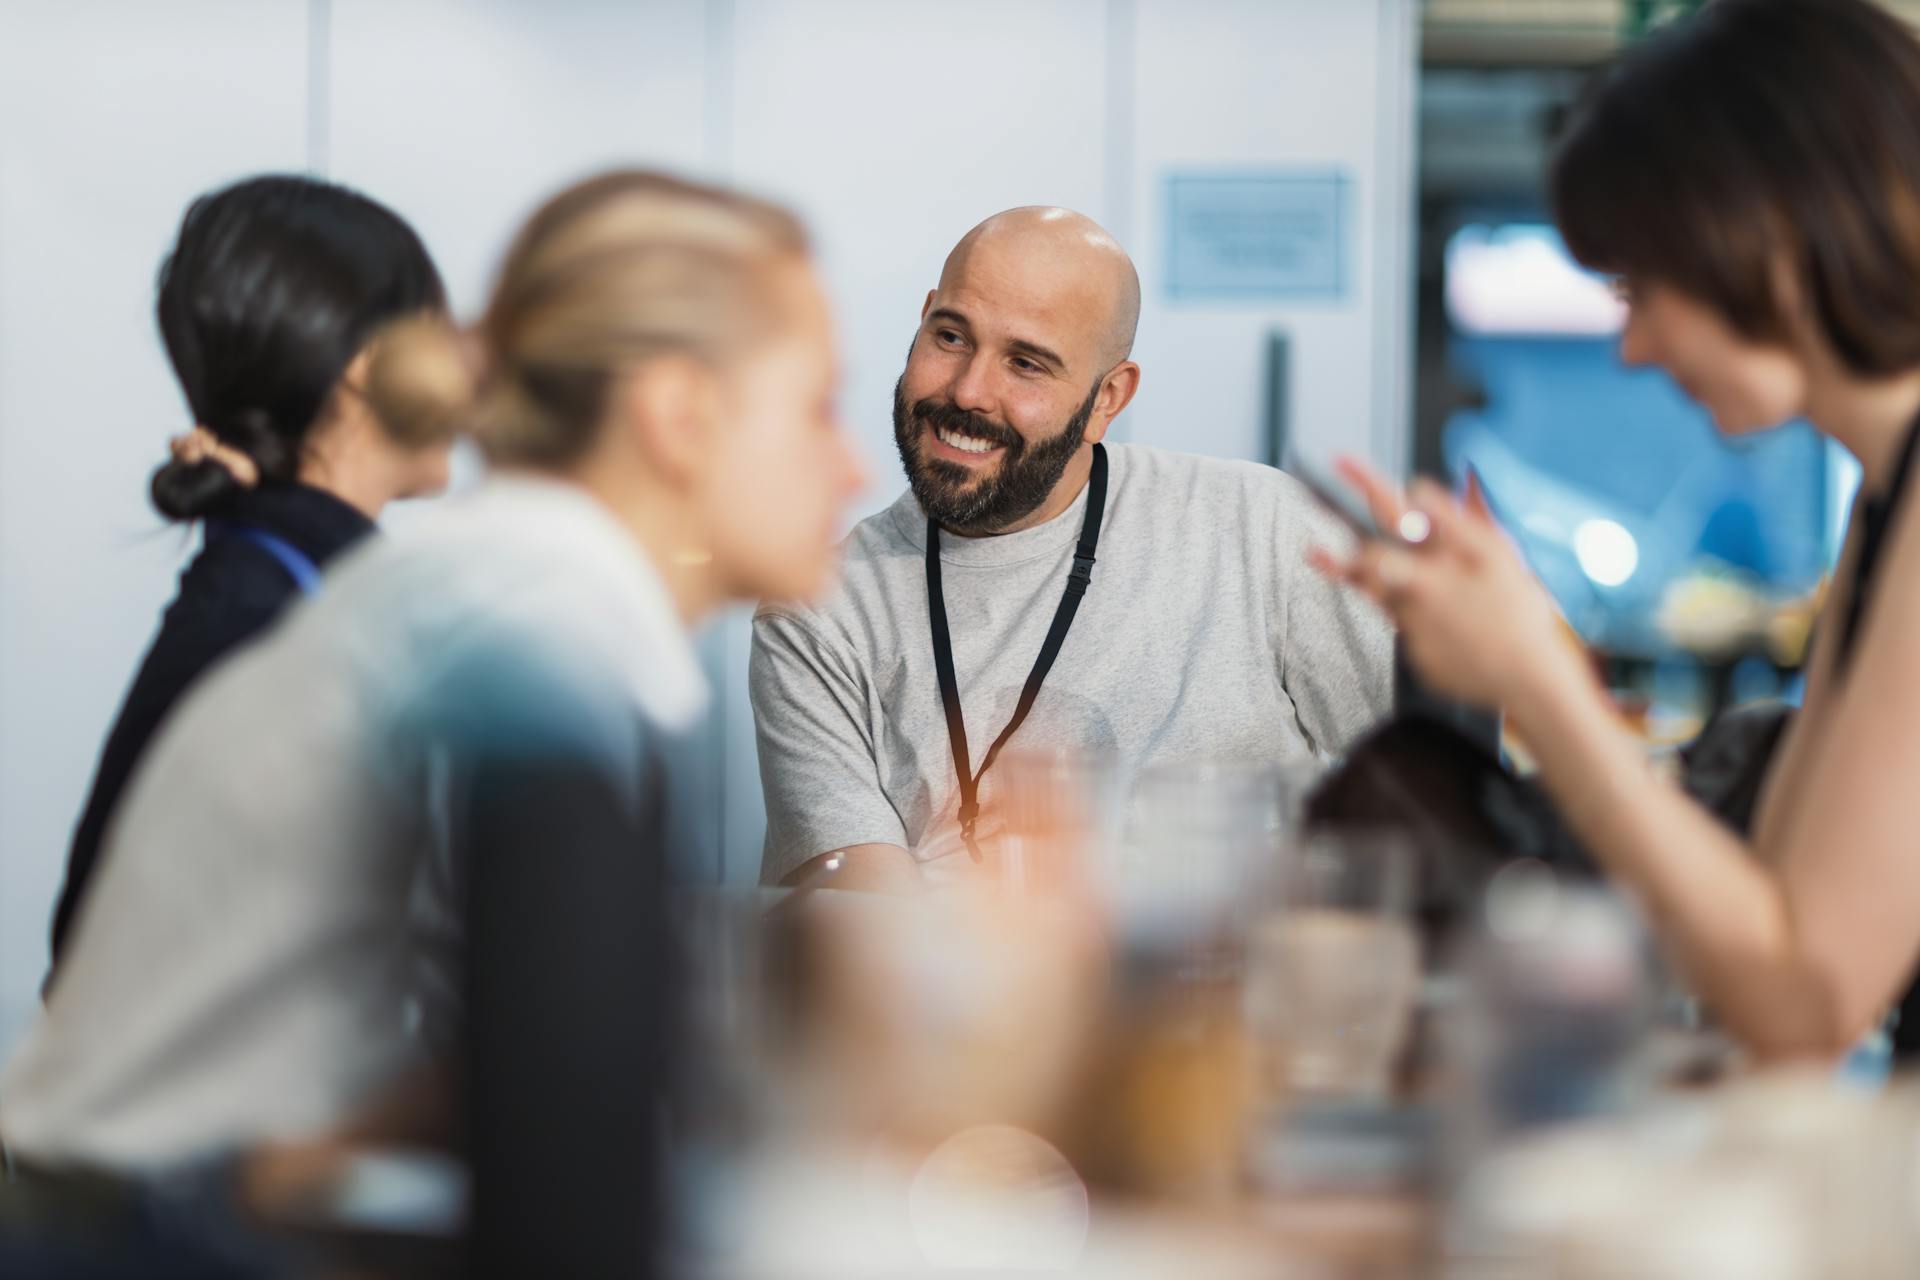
[1239, 85]
[113, 115]
[464, 114]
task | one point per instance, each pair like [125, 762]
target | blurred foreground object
[1554, 1010]
[1781, 1177]
[1333, 967]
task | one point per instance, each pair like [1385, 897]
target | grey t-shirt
[1205, 635]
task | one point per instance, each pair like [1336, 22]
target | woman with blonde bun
[653, 383]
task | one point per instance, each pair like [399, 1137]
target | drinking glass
[1198, 835]
[1058, 812]
[1333, 967]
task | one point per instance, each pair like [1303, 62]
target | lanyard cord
[1077, 583]
[298, 564]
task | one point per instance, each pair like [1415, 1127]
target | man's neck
[1065, 493]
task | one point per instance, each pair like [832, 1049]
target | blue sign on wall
[1274, 234]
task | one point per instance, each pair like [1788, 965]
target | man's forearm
[864, 868]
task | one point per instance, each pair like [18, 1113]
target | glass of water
[1198, 834]
[1057, 812]
[1333, 967]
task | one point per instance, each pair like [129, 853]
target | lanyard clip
[969, 815]
[1081, 576]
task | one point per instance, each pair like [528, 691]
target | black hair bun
[189, 488]
[183, 490]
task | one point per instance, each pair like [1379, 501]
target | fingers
[1439, 537]
[1390, 574]
[1382, 495]
[1476, 498]
[1446, 517]
[1385, 573]
[1358, 571]
[1355, 571]
[1453, 525]
[1326, 562]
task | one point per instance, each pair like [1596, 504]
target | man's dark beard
[948, 491]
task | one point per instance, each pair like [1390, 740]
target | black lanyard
[1077, 582]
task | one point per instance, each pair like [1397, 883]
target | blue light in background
[1613, 482]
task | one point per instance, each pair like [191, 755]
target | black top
[568, 1036]
[556, 810]
[1877, 513]
[230, 591]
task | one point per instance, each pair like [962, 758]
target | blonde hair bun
[422, 379]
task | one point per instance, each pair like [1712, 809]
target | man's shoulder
[1218, 482]
[888, 533]
[877, 555]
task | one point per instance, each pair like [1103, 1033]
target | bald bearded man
[1201, 634]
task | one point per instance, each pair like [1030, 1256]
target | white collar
[597, 585]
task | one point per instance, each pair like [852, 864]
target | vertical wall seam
[319, 86]
[717, 118]
[1121, 86]
[718, 83]
[1396, 174]
[1121, 74]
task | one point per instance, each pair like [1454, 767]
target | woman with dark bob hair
[1751, 177]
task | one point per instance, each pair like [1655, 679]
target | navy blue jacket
[228, 594]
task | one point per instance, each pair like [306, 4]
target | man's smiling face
[1007, 382]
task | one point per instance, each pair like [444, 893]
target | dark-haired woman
[268, 305]
[1752, 178]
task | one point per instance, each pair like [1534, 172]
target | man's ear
[669, 407]
[1116, 391]
[927, 305]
